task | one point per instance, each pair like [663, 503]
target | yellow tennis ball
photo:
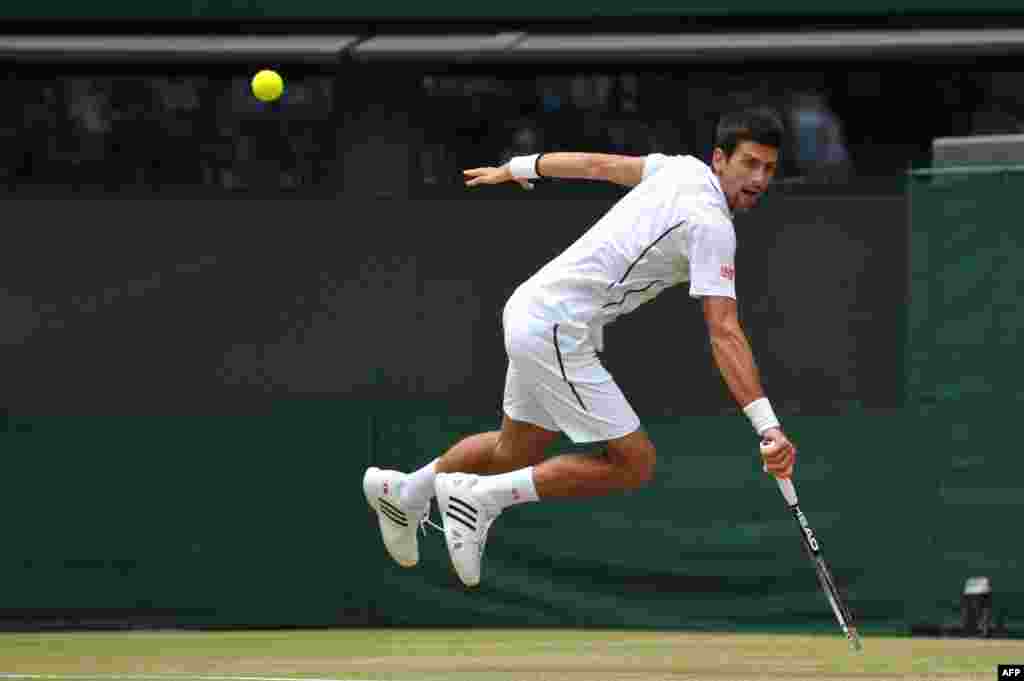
[267, 85]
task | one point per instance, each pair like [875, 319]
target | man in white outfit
[674, 226]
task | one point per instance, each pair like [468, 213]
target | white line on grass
[157, 677]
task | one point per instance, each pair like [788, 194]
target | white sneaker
[466, 522]
[398, 524]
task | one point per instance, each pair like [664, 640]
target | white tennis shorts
[555, 380]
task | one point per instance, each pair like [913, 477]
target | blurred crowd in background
[626, 113]
[150, 131]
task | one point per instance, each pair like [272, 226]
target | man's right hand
[778, 453]
[478, 176]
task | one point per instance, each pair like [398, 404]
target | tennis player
[675, 226]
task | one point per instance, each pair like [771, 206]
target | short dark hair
[760, 125]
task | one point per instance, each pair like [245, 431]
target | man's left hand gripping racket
[813, 547]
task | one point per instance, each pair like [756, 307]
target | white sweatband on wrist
[524, 167]
[761, 415]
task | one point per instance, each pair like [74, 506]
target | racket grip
[787, 489]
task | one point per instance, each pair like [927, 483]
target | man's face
[746, 174]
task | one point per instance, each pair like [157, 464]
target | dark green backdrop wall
[963, 371]
[261, 521]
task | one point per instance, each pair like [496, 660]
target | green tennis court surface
[491, 655]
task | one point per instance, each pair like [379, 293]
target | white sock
[508, 489]
[419, 487]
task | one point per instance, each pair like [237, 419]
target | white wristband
[524, 167]
[761, 415]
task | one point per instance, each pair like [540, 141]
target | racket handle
[787, 489]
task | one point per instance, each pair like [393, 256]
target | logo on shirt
[728, 272]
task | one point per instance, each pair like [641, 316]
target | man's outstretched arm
[732, 353]
[623, 170]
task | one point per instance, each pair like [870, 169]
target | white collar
[718, 186]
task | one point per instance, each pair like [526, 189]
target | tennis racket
[813, 547]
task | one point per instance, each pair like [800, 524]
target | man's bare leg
[626, 463]
[469, 505]
[517, 445]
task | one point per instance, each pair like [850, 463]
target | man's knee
[523, 443]
[519, 454]
[635, 461]
[643, 465]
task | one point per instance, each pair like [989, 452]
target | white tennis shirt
[673, 227]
